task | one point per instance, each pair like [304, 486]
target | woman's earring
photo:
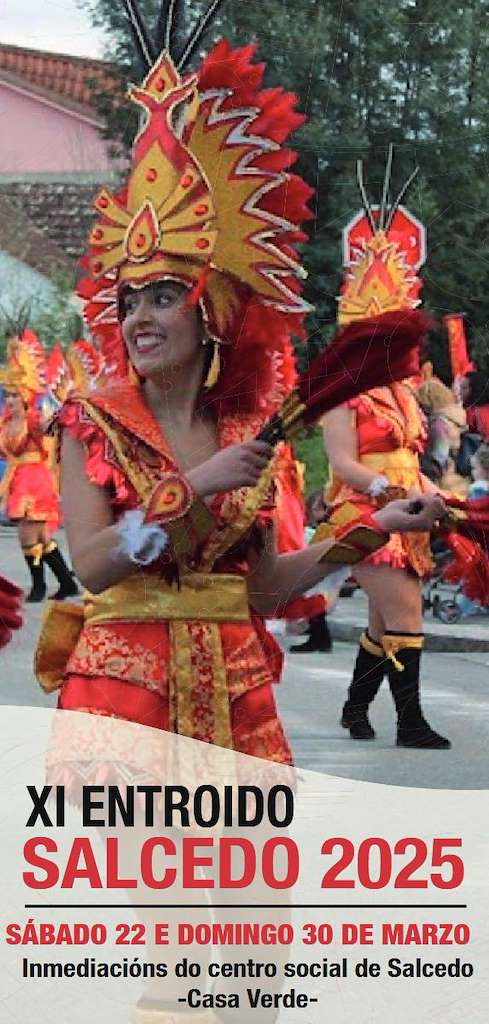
[214, 368]
[133, 375]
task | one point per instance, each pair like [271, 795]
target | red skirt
[255, 724]
[32, 494]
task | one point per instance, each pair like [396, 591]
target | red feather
[476, 525]
[363, 355]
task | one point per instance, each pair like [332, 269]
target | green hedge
[310, 450]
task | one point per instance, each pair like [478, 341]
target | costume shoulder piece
[77, 371]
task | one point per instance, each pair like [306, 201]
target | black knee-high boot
[319, 637]
[54, 559]
[367, 678]
[33, 557]
[404, 657]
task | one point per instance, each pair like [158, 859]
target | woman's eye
[164, 298]
[130, 304]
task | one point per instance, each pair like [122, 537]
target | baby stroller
[439, 595]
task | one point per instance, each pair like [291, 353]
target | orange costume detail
[289, 501]
[391, 432]
[128, 668]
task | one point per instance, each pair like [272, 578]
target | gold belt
[198, 684]
[400, 459]
[201, 597]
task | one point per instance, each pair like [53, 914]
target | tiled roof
[54, 218]
[61, 75]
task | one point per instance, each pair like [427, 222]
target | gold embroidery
[101, 651]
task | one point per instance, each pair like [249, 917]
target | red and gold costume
[382, 255]
[213, 205]
[29, 487]
[193, 658]
[391, 433]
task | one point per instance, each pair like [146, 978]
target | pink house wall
[38, 137]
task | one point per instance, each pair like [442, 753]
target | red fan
[363, 355]
[10, 617]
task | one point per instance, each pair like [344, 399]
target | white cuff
[377, 486]
[141, 542]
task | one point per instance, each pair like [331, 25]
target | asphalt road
[455, 699]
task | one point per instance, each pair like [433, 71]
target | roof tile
[75, 78]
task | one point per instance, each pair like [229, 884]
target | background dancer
[29, 488]
[374, 443]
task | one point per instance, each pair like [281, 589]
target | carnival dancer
[29, 487]
[374, 443]
[194, 282]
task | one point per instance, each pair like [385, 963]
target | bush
[310, 450]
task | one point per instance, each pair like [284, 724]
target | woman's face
[161, 331]
[13, 402]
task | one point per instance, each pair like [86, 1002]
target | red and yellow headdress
[383, 248]
[210, 201]
[25, 370]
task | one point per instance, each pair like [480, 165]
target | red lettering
[291, 866]
[81, 864]
[191, 861]
[32, 857]
[147, 871]
[226, 879]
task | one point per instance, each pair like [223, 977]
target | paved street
[455, 697]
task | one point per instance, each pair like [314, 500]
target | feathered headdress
[25, 370]
[210, 199]
[383, 248]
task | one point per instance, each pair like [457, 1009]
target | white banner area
[148, 877]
